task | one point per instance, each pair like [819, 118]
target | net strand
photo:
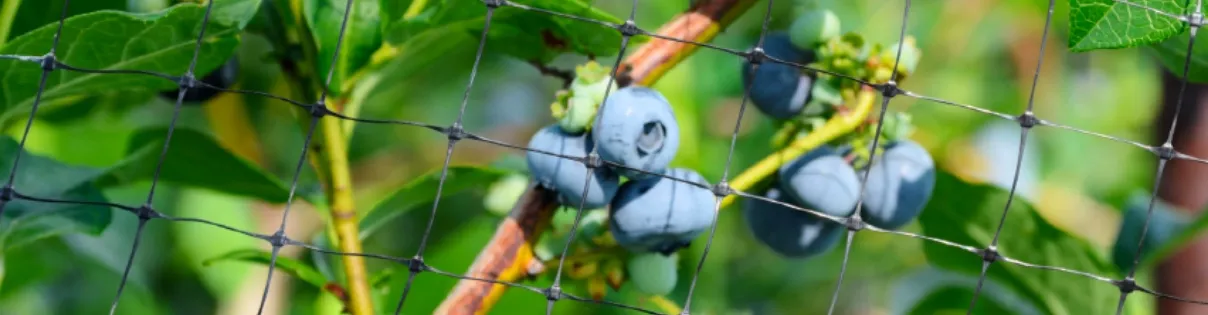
[145, 212]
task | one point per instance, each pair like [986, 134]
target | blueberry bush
[618, 186]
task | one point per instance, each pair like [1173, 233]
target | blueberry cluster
[827, 179]
[900, 182]
[222, 78]
[636, 134]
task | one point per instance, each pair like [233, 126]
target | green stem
[8, 12]
[415, 8]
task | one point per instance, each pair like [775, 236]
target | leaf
[1186, 231]
[26, 221]
[236, 13]
[160, 42]
[524, 34]
[1106, 24]
[296, 268]
[194, 159]
[34, 14]
[422, 190]
[968, 214]
[1172, 54]
[362, 37]
[935, 291]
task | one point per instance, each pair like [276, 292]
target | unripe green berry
[653, 273]
[813, 28]
[909, 58]
[576, 109]
[504, 193]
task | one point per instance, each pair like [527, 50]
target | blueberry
[661, 215]
[637, 128]
[779, 90]
[787, 231]
[566, 176]
[899, 185]
[822, 180]
[223, 78]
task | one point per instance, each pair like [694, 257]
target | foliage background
[975, 52]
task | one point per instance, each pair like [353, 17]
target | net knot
[1028, 120]
[989, 254]
[593, 160]
[629, 29]
[494, 3]
[7, 193]
[722, 189]
[756, 56]
[318, 109]
[553, 293]
[416, 265]
[854, 223]
[1126, 285]
[278, 239]
[455, 132]
[1165, 151]
[146, 212]
[890, 89]
[48, 62]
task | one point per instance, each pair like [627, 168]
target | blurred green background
[974, 52]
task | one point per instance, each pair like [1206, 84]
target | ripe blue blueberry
[899, 185]
[789, 232]
[661, 215]
[822, 180]
[779, 90]
[637, 128]
[566, 176]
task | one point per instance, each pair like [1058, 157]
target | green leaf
[34, 14]
[1106, 24]
[194, 159]
[26, 221]
[521, 33]
[1187, 231]
[968, 214]
[236, 13]
[363, 36]
[1172, 54]
[935, 291]
[161, 42]
[422, 190]
[296, 268]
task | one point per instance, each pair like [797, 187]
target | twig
[567, 76]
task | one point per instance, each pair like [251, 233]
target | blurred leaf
[1165, 224]
[161, 42]
[198, 242]
[1183, 233]
[523, 34]
[33, 14]
[1172, 53]
[194, 159]
[296, 268]
[235, 13]
[1106, 24]
[422, 191]
[969, 214]
[363, 36]
[955, 300]
[37, 176]
[935, 291]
